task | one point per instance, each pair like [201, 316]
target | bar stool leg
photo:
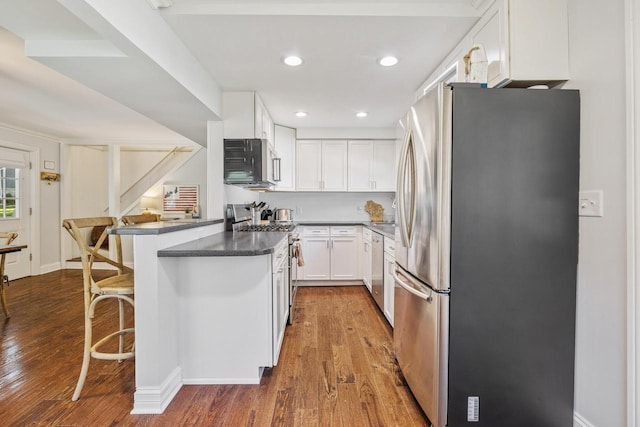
[86, 357]
[3, 296]
[121, 338]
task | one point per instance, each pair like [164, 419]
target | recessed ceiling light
[301, 114]
[361, 114]
[292, 61]
[388, 61]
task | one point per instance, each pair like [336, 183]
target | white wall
[597, 65]
[135, 164]
[49, 200]
[329, 206]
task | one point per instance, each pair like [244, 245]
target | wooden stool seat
[119, 287]
[140, 219]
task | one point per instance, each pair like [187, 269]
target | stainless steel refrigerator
[485, 282]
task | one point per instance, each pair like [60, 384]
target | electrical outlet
[360, 208]
[590, 203]
[298, 210]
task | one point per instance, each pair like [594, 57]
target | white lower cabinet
[280, 272]
[330, 253]
[389, 286]
[317, 258]
[388, 280]
[344, 258]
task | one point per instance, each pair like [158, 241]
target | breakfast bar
[191, 281]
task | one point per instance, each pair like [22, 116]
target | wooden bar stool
[8, 237]
[139, 219]
[119, 287]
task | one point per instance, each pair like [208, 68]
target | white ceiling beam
[344, 8]
[71, 48]
[133, 23]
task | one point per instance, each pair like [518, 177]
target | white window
[9, 193]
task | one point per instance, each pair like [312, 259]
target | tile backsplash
[329, 206]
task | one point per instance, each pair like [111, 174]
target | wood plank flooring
[336, 368]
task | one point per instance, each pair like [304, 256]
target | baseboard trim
[580, 421]
[303, 283]
[211, 381]
[48, 268]
[154, 400]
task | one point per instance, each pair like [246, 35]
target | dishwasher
[377, 263]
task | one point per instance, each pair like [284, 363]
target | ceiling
[118, 69]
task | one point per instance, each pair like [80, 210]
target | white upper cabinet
[245, 117]
[526, 43]
[334, 165]
[285, 144]
[372, 166]
[321, 165]
[309, 165]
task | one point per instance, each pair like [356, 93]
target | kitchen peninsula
[208, 309]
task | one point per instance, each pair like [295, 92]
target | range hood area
[251, 164]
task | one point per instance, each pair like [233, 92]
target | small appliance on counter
[283, 215]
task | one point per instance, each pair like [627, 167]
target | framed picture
[179, 198]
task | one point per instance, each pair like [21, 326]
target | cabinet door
[285, 142]
[308, 165]
[492, 33]
[344, 258]
[317, 260]
[366, 263]
[360, 165]
[334, 165]
[280, 307]
[239, 114]
[389, 284]
[258, 118]
[384, 166]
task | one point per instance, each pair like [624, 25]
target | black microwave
[250, 163]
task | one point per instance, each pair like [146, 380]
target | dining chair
[139, 219]
[8, 236]
[118, 286]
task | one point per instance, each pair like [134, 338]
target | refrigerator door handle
[414, 205]
[427, 297]
[402, 173]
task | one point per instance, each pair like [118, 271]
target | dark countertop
[387, 229]
[228, 244]
[162, 227]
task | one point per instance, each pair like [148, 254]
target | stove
[273, 226]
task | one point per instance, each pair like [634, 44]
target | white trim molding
[632, 47]
[154, 400]
[579, 421]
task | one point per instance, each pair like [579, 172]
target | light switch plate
[590, 203]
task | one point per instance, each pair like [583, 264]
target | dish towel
[297, 254]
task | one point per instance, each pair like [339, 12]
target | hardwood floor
[336, 368]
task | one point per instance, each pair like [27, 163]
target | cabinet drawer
[280, 254]
[389, 245]
[343, 230]
[316, 230]
[366, 234]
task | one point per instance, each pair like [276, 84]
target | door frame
[632, 50]
[34, 201]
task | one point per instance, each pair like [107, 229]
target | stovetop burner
[268, 227]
